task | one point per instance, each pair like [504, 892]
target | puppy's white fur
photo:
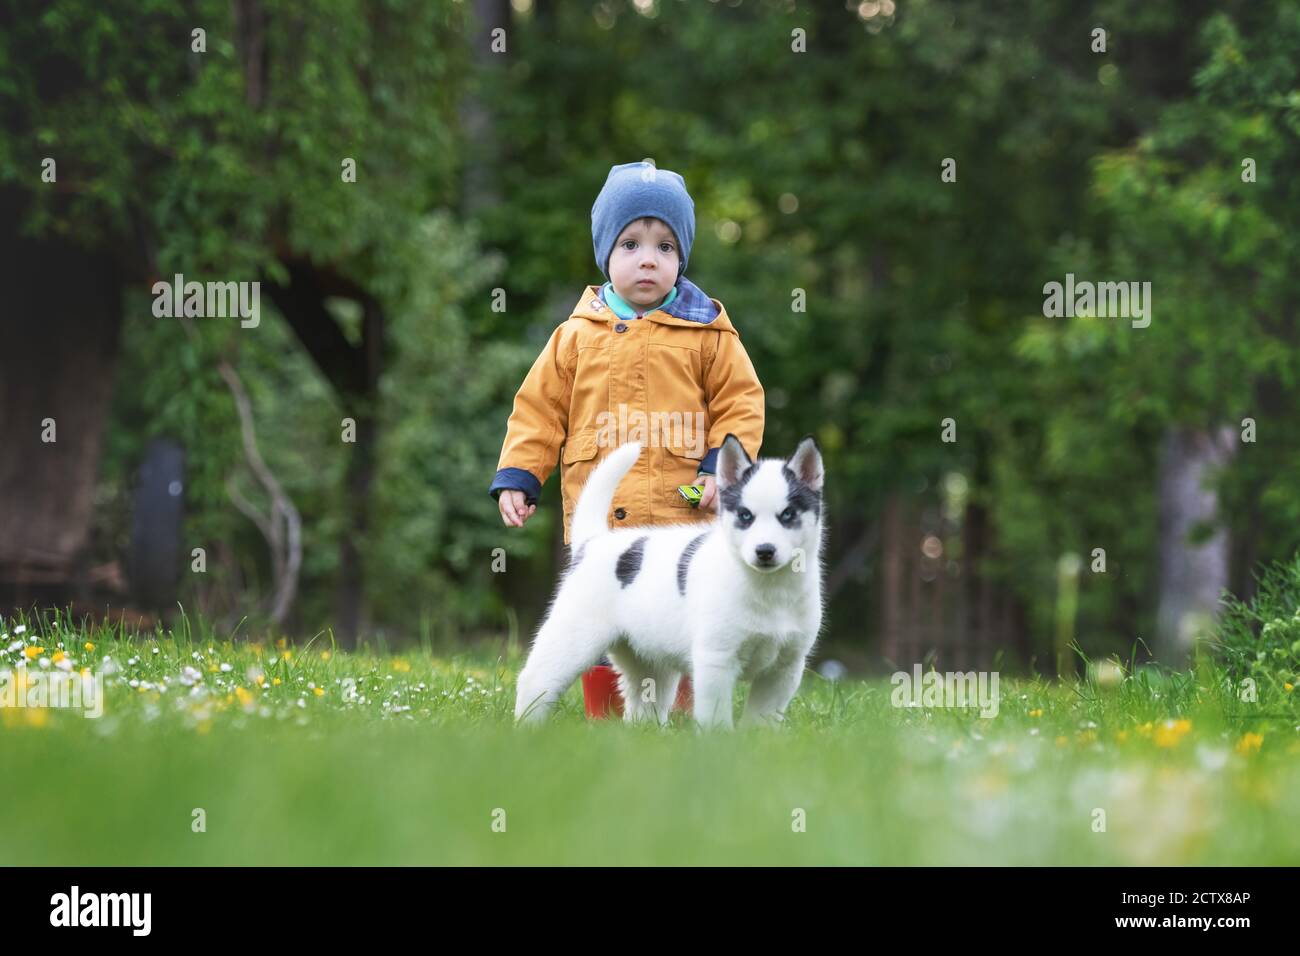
[745, 603]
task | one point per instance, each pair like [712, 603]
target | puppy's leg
[567, 644]
[668, 680]
[713, 675]
[648, 690]
[772, 690]
[632, 675]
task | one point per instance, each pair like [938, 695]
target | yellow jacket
[677, 380]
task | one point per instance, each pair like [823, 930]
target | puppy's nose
[765, 552]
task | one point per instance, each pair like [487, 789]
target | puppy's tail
[589, 518]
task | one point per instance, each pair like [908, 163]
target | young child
[645, 357]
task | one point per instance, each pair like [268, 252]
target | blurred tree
[1202, 206]
[256, 141]
[882, 190]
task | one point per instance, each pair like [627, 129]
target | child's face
[643, 264]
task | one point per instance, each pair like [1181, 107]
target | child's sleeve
[537, 425]
[735, 399]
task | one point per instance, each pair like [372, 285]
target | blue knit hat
[634, 190]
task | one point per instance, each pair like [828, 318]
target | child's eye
[666, 246]
[629, 243]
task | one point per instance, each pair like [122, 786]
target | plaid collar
[690, 303]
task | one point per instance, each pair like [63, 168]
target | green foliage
[445, 397]
[1260, 637]
[817, 172]
[223, 163]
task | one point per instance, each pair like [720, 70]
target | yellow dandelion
[324, 655]
[319, 691]
[282, 643]
[275, 682]
[58, 656]
[1122, 736]
[261, 679]
[286, 655]
[33, 652]
[245, 698]
[1249, 743]
[401, 666]
[1086, 736]
[1145, 729]
[89, 646]
[36, 716]
[1170, 732]
[1036, 712]
[212, 668]
[1288, 687]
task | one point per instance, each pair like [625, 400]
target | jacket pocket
[674, 380]
[591, 388]
[679, 465]
[579, 460]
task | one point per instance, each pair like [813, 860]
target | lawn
[310, 755]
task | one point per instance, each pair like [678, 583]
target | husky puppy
[736, 598]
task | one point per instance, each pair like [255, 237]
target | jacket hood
[691, 308]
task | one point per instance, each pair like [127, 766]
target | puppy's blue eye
[787, 514]
[744, 514]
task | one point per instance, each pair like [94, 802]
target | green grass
[413, 770]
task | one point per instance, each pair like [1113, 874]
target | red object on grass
[600, 693]
[685, 696]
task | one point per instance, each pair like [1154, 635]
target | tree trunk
[350, 608]
[58, 348]
[354, 373]
[894, 643]
[479, 188]
[1193, 574]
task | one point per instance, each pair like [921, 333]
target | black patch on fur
[629, 562]
[684, 562]
[801, 498]
[575, 557]
[730, 495]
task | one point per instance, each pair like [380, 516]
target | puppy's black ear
[732, 461]
[806, 463]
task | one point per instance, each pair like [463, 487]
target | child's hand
[515, 510]
[709, 499]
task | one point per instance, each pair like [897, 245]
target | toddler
[645, 357]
